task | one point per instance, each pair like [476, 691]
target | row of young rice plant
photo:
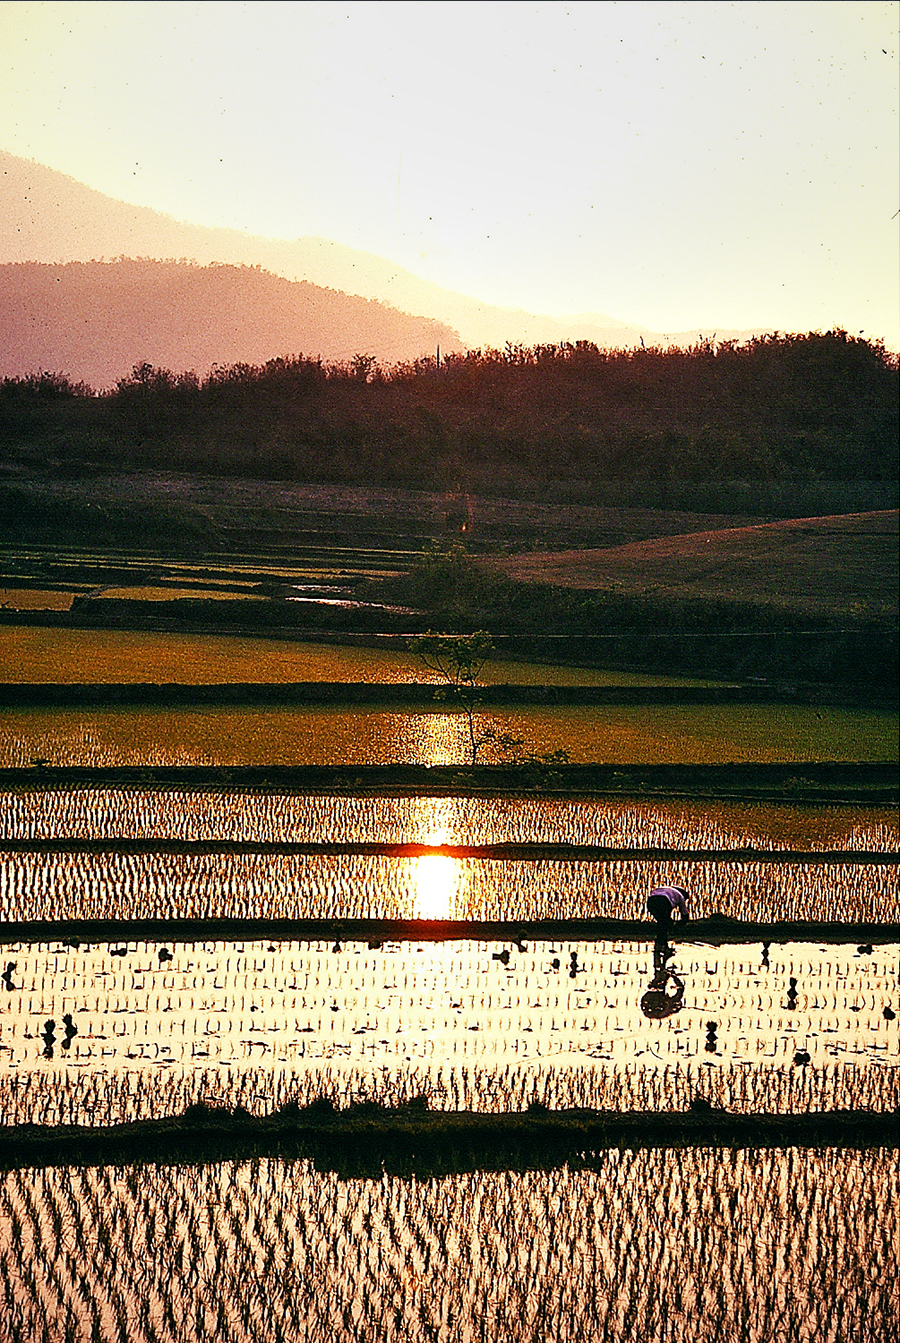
[123, 885]
[799, 1026]
[684, 1243]
[270, 817]
[73, 1096]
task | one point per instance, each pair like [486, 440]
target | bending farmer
[665, 899]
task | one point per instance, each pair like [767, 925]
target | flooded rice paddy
[50, 886]
[666, 1245]
[105, 1033]
[273, 817]
[681, 1244]
[622, 734]
[37, 887]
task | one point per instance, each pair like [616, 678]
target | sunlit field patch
[33, 599]
[35, 886]
[270, 816]
[110, 885]
[694, 734]
[67, 656]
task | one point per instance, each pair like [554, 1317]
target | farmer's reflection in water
[666, 991]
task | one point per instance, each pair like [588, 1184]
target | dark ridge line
[78, 694]
[502, 852]
[717, 930]
[873, 783]
[367, 1141]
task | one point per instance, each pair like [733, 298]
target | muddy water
[685, 1244]
[88, 1035]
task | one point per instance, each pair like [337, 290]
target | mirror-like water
[100, 1034]
[641, 734]
[664, 1245]
[55, 886]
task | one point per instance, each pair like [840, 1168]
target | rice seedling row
[665, 1244]
[273, 817]
[37, 887]
[82, 1030]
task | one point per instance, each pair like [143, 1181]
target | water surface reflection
[665, 992]
[149, 1028]
[625, 734]
[535, 819]
[47, 886]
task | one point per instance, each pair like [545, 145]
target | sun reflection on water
[436, 878]
[435, 881]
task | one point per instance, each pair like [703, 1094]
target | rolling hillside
[94, 321]
[825, 565]
[47, 216]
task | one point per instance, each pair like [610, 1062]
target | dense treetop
[819, 406]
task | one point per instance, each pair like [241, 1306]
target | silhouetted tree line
[775, 408]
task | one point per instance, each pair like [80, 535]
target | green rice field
[36, 654]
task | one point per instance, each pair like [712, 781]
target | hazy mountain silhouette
[47, 216]
[95, 320]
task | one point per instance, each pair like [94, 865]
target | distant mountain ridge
[47, 216]
[95, 320]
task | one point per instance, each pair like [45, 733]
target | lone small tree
[459, 659]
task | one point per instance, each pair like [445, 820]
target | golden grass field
[31, 654]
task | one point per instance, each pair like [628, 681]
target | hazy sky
[680, 165]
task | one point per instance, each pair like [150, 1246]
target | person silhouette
[658, 1001]
[663, 901]
[49, 1038]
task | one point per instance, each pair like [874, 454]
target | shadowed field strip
[76, 695]
[715, 931]
[369, 1140]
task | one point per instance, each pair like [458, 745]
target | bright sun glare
[435, 882]
[435, 878]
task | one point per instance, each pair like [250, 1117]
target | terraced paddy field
[32, 653]
[631, 734]
[120, 853]
[103, 1033]
[99, 1017]
[531, 1117]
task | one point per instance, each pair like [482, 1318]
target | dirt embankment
[367, 1140]
[863, 783]
[716, 930]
